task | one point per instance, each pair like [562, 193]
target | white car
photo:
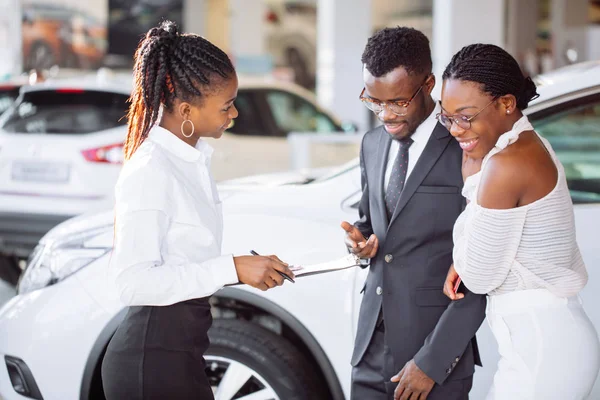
[294, 339]
[61, 149]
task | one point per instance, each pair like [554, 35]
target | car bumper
[52, 331]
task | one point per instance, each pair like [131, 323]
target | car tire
[298, 65]
[274, 358]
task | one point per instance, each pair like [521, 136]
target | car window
[574, 132]
[7, 97]
[292, 113]
[65, 111]
[248, 121]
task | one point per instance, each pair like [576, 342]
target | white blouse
[530, 247]
[168, 225]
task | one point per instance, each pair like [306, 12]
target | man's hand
[261, 272]
[413, 383]
[357, 243]
[451, 279]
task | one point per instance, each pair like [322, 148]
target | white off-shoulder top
[530, 247]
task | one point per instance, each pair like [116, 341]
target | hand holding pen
[262, 272]
[284, 276]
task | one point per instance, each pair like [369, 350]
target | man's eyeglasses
[400, 107]
[462, 121]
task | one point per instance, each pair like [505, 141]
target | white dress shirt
[420, 139]
[168, 225]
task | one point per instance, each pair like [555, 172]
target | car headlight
[54, 260]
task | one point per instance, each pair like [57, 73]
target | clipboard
[345, 262]
[339, 264]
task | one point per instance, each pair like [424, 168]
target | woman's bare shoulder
[524, 171]
[502, 182]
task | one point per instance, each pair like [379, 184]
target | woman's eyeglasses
[462, 121]
[400, 107]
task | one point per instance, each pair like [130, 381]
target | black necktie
[398, 176]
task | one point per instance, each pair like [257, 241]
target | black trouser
[157, 353]
[371, 377]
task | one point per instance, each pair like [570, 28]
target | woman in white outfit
[515, 240]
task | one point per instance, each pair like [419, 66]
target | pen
[279, 272]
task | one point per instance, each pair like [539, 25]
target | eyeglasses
[400, 108]
[462, 121]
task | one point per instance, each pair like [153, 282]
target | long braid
[495, 69]
[159, 84]
[167, 66]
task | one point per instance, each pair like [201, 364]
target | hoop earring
[193, 128]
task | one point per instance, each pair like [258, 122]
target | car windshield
[65, 111]
[8, 94]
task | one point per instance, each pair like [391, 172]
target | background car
[61, 146]
[59, 35]
[291, 37]
[295, 339]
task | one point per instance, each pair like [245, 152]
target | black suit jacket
[407, 275]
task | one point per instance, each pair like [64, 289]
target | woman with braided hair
[167, 257]
[515, 240]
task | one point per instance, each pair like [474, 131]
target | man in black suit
[412, 342]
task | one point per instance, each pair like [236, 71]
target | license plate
[31, 171]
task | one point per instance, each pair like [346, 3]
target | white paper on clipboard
[348, 261]
[299, 271]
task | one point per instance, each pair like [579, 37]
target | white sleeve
[485, 251]
[140, 273]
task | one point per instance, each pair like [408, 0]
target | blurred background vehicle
[61, 149]
[67, 275]
[291, 37]
[57, 35]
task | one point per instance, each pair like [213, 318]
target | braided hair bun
[167, 30]
[495, 69]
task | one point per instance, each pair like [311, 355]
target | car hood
[275, 179]
[227, 189]
[81, 223]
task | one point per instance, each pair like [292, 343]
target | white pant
[548, 347]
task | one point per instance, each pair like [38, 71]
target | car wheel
[247, 360]
[298, 65]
